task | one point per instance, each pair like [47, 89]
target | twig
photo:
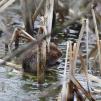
[71, 58]
[78, 94]
[25, 48]
[85, 70]
[15, 66]
[28, 35]
[97, 36]
[64, 86]
[79, 86]
[78, 43]
[38, 10]
[2, 2]
[49, 18]
[2, 8]
[70, 90]
[17, 32]
[93, 52]
[87, 60]
[87, 25]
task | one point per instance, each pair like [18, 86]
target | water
[16, 87]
